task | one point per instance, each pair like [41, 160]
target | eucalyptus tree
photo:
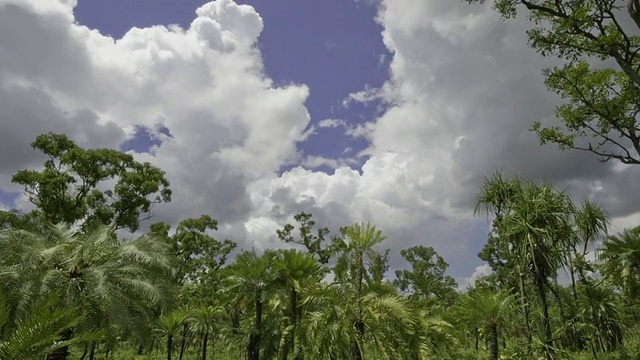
[600, 78]
[313, 242]
[73, 186]
[109, 281]
[427, 278]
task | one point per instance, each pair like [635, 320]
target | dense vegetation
[72, 286]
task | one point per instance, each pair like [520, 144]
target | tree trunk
[294, 318]
[183, 341]
[205, 339]
[359, 324]
[253, 349]
[169, 346]
[63, 352]
[573, 284]
[92, 350]
[493, 341]
[476, 335]
[85, 351]
[542, 296]
[525, 308]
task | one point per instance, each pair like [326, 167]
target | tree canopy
[601, 101]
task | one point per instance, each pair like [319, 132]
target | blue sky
[333, 46]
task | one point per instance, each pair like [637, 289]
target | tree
[109, 281]
[294, 269]
[37, 332]
[396, 330]
[169, 325]
[313, 243]
[251, 277]
[489, 311]
[199, 255]
[356, 259]
[601, 102]
[206, 320]
[69, 188]
[621, 261]
[427, 278]
[591, 223]
[536, 220]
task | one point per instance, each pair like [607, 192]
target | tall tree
[356, 258]
[601, 101]
[537, 222]
[427, 278]
[314, 243]
[251, 278]
[199, 256]
[70, 187]
[294, 271]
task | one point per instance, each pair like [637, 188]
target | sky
[388, 111]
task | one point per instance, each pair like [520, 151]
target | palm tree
[38, 332]
[395, 330]
[110, 282]
[295, 269]
[356, 256]
[250, 279]
[601, 308]
[591, 222]
[621, 260]
[169, 325]
[205, 321]
[489, 311]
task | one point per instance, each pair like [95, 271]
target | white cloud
[331, 123]
[479, 272]
[464, 89]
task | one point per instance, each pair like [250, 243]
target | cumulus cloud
[463, 90]
[205, 83]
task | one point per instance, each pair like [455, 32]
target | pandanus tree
[536, 222]
[109, 281]
[591, 223]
